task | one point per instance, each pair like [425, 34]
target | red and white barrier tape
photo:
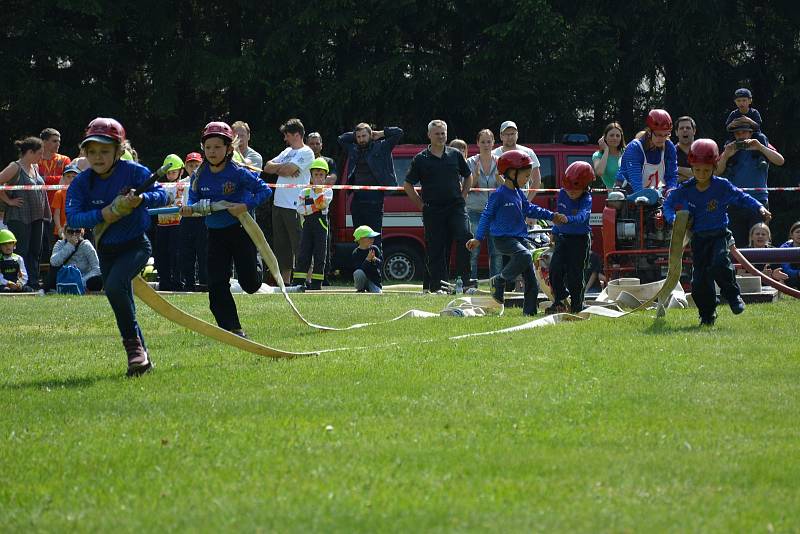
[359, 188]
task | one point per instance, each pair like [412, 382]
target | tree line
[165, 68]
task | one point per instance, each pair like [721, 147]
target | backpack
[69, 281]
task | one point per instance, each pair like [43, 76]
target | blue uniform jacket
[234, 184]
[505, 213]
[709, 208]
[630, 168]
[577, 212]
[792, 269]
[88, 194]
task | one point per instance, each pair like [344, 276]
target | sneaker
[138, 361]
[708, 321]
[498, 289]
[737, 305]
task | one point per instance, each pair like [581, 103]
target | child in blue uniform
[650, 160]
[707, 198]
[573, 239]
[504, 218]
[104, 193]
[218, 178]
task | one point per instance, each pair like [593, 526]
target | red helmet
[218, 129]
[578, 176]
[659, 120]
[513, 159]
[704, 152]
[194, 156]
[103, 130]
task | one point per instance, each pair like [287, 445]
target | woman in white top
[484, 175]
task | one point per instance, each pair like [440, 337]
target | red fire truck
[403, 239]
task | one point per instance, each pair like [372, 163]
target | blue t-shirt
[505, 214]
[791, 269]
[749, 168]
[633, 160]
[577, 212]
[88, 194]
[234, 184]
[709, 208]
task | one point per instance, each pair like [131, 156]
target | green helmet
[7, 236]
[320, 163]
[174, 161]
[364, 231]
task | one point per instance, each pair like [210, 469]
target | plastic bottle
[459, 286]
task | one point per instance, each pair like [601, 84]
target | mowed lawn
[602, 425]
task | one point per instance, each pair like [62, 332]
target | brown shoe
[138, 361]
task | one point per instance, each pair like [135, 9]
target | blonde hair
[760, 226]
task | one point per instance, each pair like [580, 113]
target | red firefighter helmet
[704, 152]
[103, 130]
[218, 129]
[578, 176]
[659, 120]
[513, 159]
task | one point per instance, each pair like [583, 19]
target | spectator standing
[483, 166]
[249, 155]
[439, 169]
[27, 212]
[685, 129]
[369, 160]
[59, 201]
[314, 142]
[509, 135]
[292, 167]
[606, 160]
[745, 162]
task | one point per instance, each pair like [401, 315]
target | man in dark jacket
[369, 162]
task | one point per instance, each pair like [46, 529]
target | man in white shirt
[292, 167]
[509, 134]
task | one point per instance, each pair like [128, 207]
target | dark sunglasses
[73, 230]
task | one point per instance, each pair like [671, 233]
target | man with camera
[745, 162]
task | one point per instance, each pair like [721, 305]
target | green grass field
[602, 425]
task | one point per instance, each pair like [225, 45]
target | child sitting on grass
[13, 276]
[707, 198]
[504, 218]
[573, 239]
[366, 261]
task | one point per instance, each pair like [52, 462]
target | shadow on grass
[661, 327]
[73, 382]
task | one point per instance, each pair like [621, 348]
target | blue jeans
[362, 282]
[495, 258]
[119, 264]
[520, 263]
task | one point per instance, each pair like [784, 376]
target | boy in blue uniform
[573, 239]
[707, 198]
[104, 193]
[504, 217]
[219, 178]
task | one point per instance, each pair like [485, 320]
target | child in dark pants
[504, 218]
[366, 261]
[707, 198]
[168, 231]
[217, 179]
[105, 193]
[313, 206]
[573, 239]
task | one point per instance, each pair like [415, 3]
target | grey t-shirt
[476, 201]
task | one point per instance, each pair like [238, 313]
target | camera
[740, 145]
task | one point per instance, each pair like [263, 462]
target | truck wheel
[401, 263]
